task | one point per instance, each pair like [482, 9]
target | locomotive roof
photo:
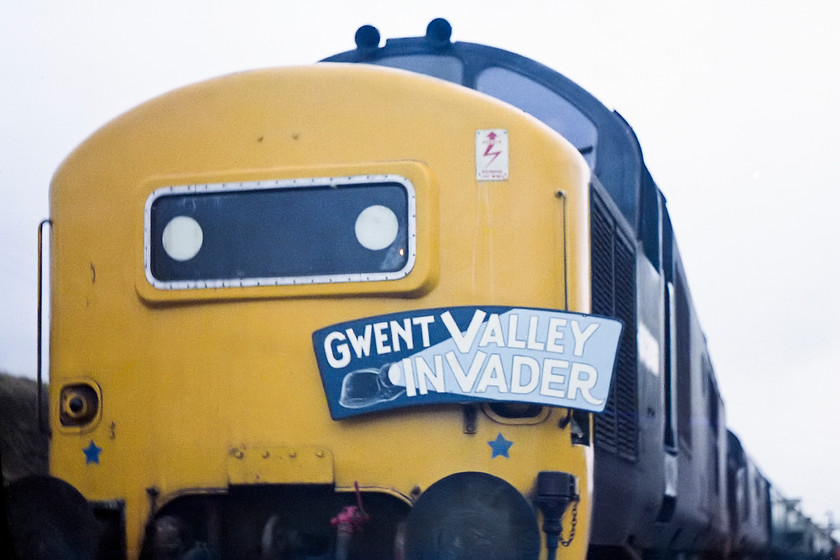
[612, 149]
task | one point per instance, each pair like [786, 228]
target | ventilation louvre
[614, 295]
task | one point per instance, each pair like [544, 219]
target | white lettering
[533, 343]
[361, 345]
[425, 373]
[583, 378]
[533, 366]
[489, 358]
[424, 323]
[408, 375]
[513, 324]
[549, 377]
[381, 338]
[403, 332]
[555, 335]
[342, 349]
[463, 341]
[493, 376]
[465, 381]
[493, 332]
[582, 337]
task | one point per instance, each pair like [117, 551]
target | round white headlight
[376, 227]
[182, 238]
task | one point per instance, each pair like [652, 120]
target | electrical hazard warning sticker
[491, 155]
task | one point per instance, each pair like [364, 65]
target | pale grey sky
[735, 104]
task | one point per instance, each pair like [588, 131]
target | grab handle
[43, 422]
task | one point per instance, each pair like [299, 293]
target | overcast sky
[735, 104]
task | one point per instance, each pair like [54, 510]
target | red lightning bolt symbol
[490, 146]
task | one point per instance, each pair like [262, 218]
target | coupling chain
[567, 542]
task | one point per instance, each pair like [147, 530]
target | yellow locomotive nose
[305, 302]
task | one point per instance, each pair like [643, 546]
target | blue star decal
[500, 446]
[92, 453]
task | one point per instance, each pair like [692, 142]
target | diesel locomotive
[421, 300]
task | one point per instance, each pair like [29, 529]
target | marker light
[79, 405]
[376, 227]
[182, 238]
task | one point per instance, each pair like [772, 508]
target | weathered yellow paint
[281, 465]
[187, 378]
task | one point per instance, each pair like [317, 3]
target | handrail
[43, 423]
